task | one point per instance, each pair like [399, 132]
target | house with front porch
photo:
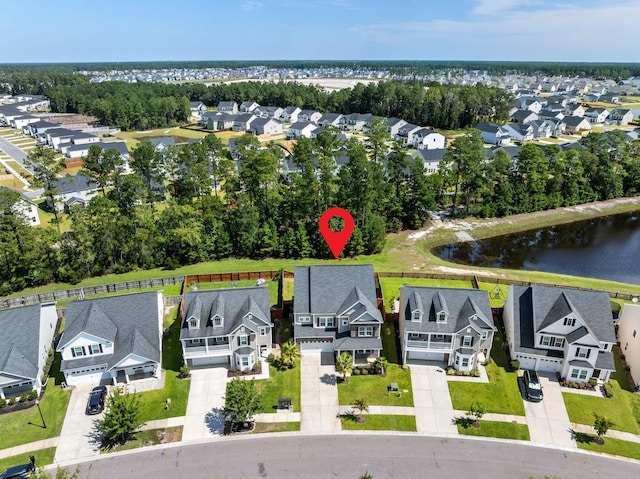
[561, 330]
[450, 325]
[230, 327]
[621, 116]
[116, 339]
[577, 125]
[25, 342]
[335, 310]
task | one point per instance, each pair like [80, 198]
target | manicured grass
[153, 403]
[617, 447]
[22, 427]
[502, 430]
[619, 409]
[380, 422]
[281, 384]
[262, 427]
[287, 289]
[43, 458]
[389, 342]
[497, 293]
[173, 290]
[151, 437]
[391, 286]
[272, 285]
[373, 388]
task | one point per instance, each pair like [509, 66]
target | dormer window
[416, 315]
[441, 317]
[217, 320]
[193, 323]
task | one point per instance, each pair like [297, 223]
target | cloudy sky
[136, 30]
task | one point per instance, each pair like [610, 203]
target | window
[95, 349]
[440, 337]
[304, 319]
[442, 317]
[416, 316]
[193, 323]
[467, 341]
[217, 321]
[366, 331]
[244, 361]
[583, 352]
[484, 335]
[414, 335]
[325, 322]
[78, 351]
[569, 321]
[220, 339]
[243, 340]
[345, 322]
[263, 331]
[579, 373]
[465, 362]
[552, 341]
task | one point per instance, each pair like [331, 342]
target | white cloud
[561, 32]
[498, 7]
[251, 5]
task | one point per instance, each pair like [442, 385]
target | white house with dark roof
[25, 342]
[301, 128]
[243, 122]
[74, 190]
[117, 339]
[450, 325]
[290, 114]
[226, 326]
[493, 133]
[228, 107]
[428, 139]
[596, 115]
[248, 106]
[24, 206]
[629, 337]
[577, 125]
[568, 331]
[335, 310]
[621, 116]
[265, 126]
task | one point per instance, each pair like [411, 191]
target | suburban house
[428, 139]
[523, 116]
[197, 108]
[451, 325]
[78, 151]
[74, 190]
[226, 326]
[25, 342]
[25, 206]
[335, 310]
[394, 125]
[248, 106]
[309, 115]
[327, 119]
[117, 339]
[301, 128]
[629, 338]
[574, 109]
[596, 115]
[40, 127]
[541, 128]
[217, 121]
[23, 120]
[290, 114]
[243, 122]
[274, 112]
[355, 121]
[57, 137]
[265, 126]
[577, 125]
[405, 134]
[621, 116]
[568, 331]
[493, 133]
[519, 131]
[162, 142]
[228, 107]
[430, 159]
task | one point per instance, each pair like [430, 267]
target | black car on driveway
[18, 472]
[532, 386]
[97, 397]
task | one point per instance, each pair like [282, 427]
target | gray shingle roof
[19, 341]
[348, 342]
[74, 184]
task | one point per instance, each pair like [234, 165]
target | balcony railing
[428, 345]
[217, 350]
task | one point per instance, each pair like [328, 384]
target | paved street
[318, 393]
[204, 419]
[432, 403]
[12, 150]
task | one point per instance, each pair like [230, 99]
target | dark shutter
[73, 352]
[100, 347]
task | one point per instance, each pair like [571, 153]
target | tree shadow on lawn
[582, 437]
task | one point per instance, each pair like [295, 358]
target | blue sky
[135, 30]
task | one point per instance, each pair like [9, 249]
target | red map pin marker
[336, 240]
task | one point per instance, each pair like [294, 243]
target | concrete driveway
[318, 393]
[431, 400]
[548, 420]
[204, 418]
[78, 439]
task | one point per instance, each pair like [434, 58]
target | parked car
[532, 386]
[97, 398]
[18, 472]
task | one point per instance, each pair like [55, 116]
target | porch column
[353, 357]
[206, 345]
[429, 341]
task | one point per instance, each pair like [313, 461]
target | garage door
[210, 361]
[526, 362]
[86, 378]
[421, 356]
[548, 365]
[317, 346]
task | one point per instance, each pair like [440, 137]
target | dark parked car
[532, 386]
[96, 400]
[18, 472]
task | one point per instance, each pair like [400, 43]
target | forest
[197, 202]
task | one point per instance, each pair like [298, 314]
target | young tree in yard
[380, 365]
[361, 406]
[344, 365]
[45, 167]
[476, 411]
[242, 401]
[121, 419]
[288, 352]
[102, 165]
[601, 424]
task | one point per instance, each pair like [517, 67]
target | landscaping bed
[151, 437]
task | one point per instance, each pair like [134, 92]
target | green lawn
[497, 293]
[262, 427]
[380, 422]
[617, 447]
[43, 458]
[153, 403]
[287, 289]
[374, 388]
[623, 409]
[391, 286]
[502, 430]
[22, 427]
[172, 290]
[280, 384]
[272, 285]
[389, 342]
[151, 437]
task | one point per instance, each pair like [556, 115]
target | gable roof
[20, 341]
[74, 184]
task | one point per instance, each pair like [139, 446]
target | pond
[605, 248]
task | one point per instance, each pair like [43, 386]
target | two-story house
[116, 339]
[27, 336]
[629, 336]
[450, 325]
[568, 331]
[428, 139]
[228, 107]
[226, 326]
[335, 310]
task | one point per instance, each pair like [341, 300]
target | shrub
[364, 371]
[475, 373]
[32, 395]
[3, 403]
[270, 358]
[593, 382]
[356, 372]
[185, 370]
[12, 400]
[608, 390]
[515, 364]
[488, 361]
[23, 397]
[451, 371]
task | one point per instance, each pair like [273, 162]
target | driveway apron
[431, 399]
[78, 438]
[319, 410]
[204, 418]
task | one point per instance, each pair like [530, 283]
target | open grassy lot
[43, 457]
[379, 422]
[374, 388]
[151, 437]
[22, 427]
[281, 384]
[263, 427]
[272, 285]
[153, 403]
[391, 286]
[617, 447]
[502, 430]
